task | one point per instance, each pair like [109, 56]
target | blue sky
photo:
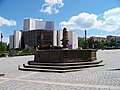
[98, 17]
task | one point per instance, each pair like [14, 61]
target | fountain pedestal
[65, 56]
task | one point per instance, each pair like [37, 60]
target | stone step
[46, 70]
[65, 64]
[62, 67]
[57, 68]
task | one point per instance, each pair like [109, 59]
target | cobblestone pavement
[98, 78]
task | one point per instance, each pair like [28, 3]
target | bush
[18, 52]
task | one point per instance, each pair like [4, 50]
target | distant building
[40, 34]
[109, 38]
[117, 39]
[45, 38]
[98, 38]
[11, 40]
[32, 24]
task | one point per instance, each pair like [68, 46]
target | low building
[98, 38]
[109, 38]
[117, 39]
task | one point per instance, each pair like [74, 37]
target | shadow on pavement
[114, 69]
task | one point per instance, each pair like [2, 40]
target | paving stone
[107, 75]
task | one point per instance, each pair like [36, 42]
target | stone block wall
[65, 56]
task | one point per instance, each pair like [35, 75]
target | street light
[1, 40]
[85, 43]
[1, 49]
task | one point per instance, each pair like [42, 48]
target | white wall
[11, 40]
[60, 37]
[44, 25]
[54, 37]
[31, 24]
[17, 39]
[73, 39]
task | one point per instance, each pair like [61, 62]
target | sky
[98, 17]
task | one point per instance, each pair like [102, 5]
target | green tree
[112, 42]
[3, 47]
[91, 43]
[80, 42]
[102, 44]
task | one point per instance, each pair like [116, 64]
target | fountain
[62, 60]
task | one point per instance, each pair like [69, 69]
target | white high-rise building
[17, 38]
[32, 24]
[11, 40]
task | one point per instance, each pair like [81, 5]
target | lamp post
[1, 40]
[85, 44]
[85, 35]
[1, 49]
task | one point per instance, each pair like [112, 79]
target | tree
[112, 42]
[80, 42]
[103, 44]
[3, 47]
[91, 43]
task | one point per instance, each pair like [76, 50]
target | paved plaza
[98, 78]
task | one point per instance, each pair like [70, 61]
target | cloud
[82, 21]
[110, 21]
[52, 6]
[6, 22]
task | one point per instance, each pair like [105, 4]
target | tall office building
[33, 24]
[17, 38]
